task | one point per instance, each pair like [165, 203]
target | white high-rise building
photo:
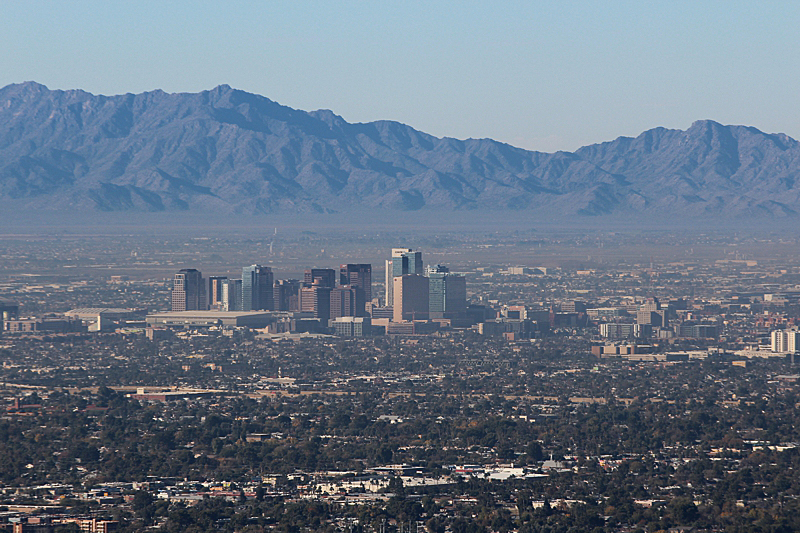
[388, 284]
[785, 340]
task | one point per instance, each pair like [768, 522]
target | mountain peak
[27, 87]
[705, 123]
[32, 85]
[329, 117]
[222, 88]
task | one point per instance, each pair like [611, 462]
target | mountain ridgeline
[229, 151]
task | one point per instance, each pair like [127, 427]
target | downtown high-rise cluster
[417, 293]
[413, 293]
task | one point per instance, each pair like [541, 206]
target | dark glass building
[447, 293]
[358, 277]
[325, 276]
[256, 288]
[188, 291]
[286, 295]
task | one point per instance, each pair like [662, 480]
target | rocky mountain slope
[234, 152]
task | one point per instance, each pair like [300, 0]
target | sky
[545, 76]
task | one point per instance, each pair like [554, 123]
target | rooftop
[209, 314]
[98, 310]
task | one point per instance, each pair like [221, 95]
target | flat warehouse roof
[257, 319]
[209, 314]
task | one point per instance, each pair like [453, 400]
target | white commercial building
[785, 340]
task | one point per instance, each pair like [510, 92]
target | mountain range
[229, 151]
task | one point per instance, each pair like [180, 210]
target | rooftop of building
[98, 310]
[212, 314]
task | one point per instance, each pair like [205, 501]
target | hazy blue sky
[540, 75]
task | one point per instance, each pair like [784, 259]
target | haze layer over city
[442, 267]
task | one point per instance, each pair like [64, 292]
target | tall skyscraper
[316, 299]
[188, 290]
[256, 288]
[214, 293]
[325, 276]
[403, 261]
[345, 300]
[286, 295]
[388, 283]
[447, 293]
[231, 295]
[359, 277]
[410, 297]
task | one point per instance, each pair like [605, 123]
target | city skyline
[413, 294]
